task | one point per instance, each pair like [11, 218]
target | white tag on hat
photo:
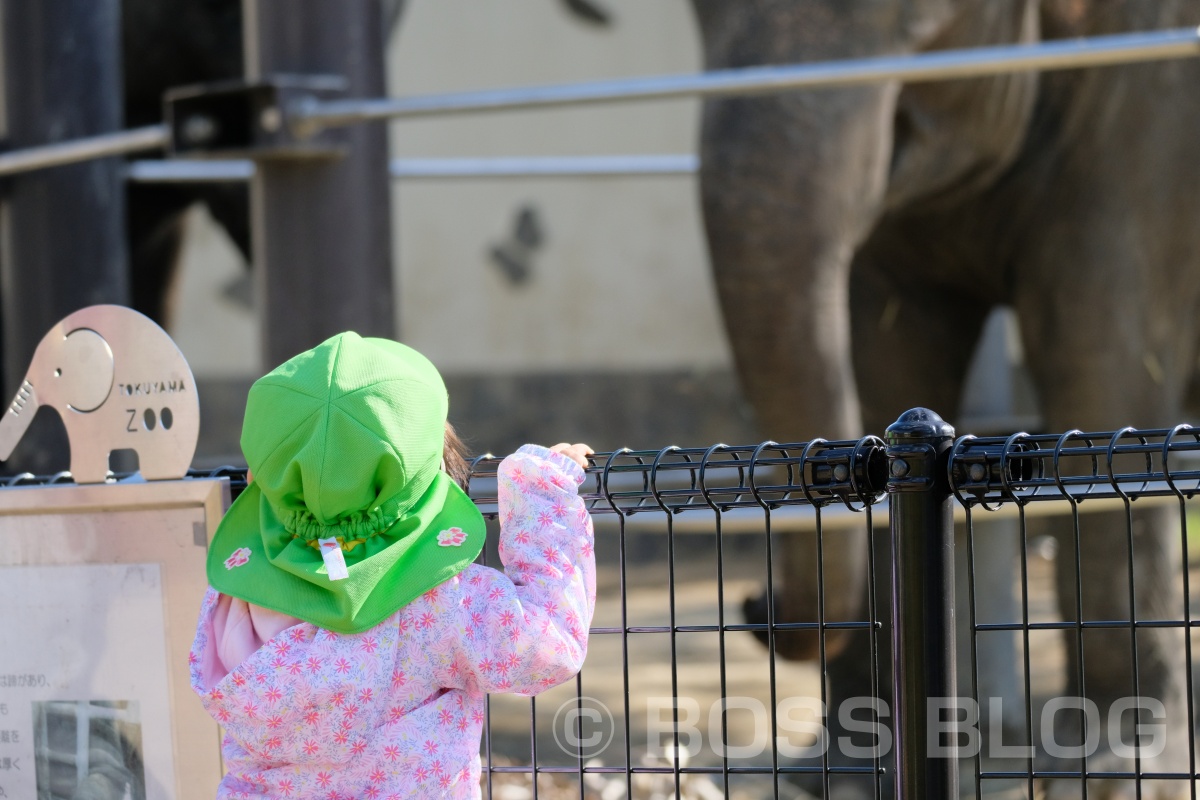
[335, 562]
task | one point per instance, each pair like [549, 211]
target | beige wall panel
[619, 282]
[461, 45]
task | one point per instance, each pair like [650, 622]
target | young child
[347, 640]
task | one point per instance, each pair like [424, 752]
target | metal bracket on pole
[253, 119]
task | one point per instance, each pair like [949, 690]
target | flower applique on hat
[452, 537]
[238, 558]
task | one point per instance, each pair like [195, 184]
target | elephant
[859, 237]
[118, 382]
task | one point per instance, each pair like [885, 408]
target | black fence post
[922, 528]
[64, 228]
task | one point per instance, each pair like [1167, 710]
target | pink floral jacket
[398, 711]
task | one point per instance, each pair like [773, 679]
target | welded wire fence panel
[680, 695]
[1075, 667]
[1092, 535]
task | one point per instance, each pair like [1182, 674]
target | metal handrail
[152, 137]
[932, 66]
[217, 171]
[311, 115]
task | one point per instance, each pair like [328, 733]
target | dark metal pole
[922, 525]
[322, 243]
[64, 229]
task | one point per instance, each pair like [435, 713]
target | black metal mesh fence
[1074, 668]
[1101, 624]
[1075, 627]
[680, 694]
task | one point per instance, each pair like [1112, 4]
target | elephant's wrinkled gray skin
[859, 238]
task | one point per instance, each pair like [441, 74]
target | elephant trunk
[16, 419]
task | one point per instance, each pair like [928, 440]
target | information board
[100, 586]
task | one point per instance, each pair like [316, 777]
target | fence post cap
[919, 423]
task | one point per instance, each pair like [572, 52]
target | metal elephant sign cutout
[118, 382]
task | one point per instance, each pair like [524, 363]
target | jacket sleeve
[526, 629]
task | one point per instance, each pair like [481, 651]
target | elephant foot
[157, 473]
[793, 645]
[93, 472]
[754, 611]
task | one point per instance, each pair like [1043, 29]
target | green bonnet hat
[345, 445]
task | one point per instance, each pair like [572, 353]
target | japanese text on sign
[25, 680]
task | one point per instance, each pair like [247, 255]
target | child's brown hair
[455, 455]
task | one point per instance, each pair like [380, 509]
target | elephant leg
[781, 228]
[913, 343]
[86, 465]
[1089, 349]
[915, 320]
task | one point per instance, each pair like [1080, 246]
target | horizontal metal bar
[152, 137]
[204, 171]
[527, 769]
[545, 166]
[313, 115]
[189, 171]
[778, 626]
[1086, 625]
[934, 66]
[1091, 774]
